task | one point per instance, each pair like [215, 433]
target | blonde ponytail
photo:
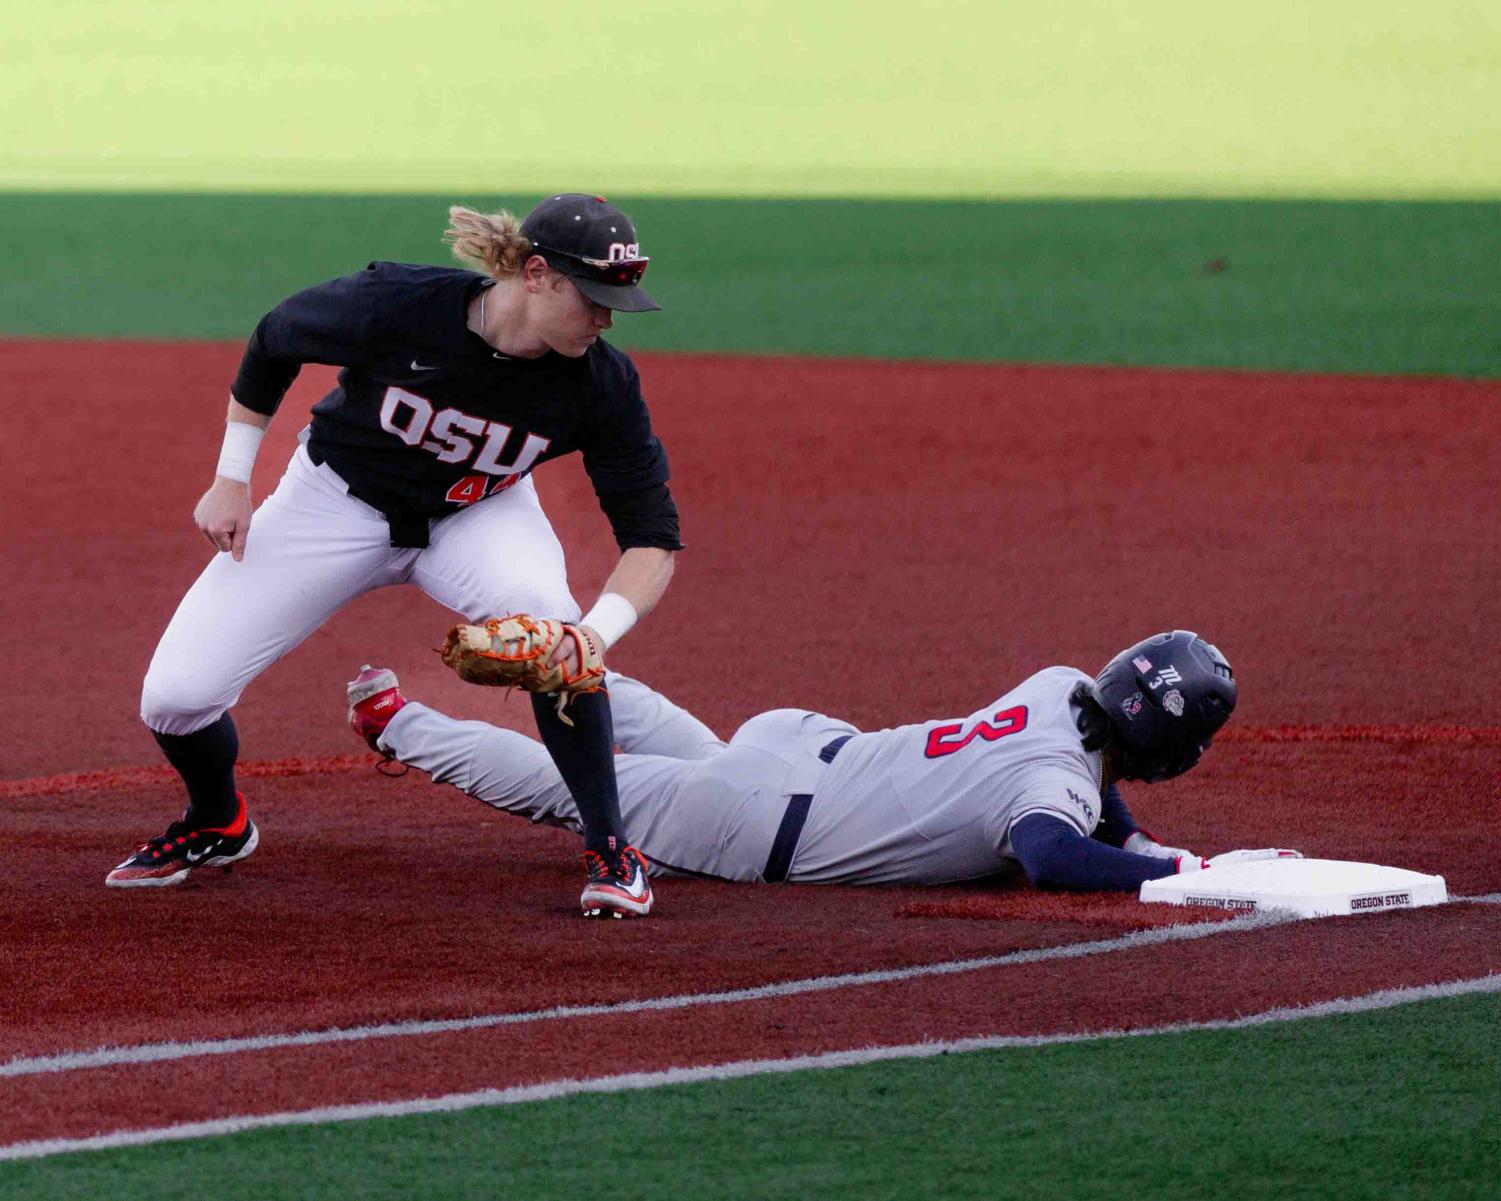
[492, 242]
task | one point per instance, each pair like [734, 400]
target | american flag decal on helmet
[1141, 663]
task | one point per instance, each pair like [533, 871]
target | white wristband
[241, 442]
[610, 618]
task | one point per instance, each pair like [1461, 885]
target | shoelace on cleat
[600, 868]
[176, 835]
[595, 865]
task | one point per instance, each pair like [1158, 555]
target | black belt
[408, 530]
[785, 843]
[833, 748]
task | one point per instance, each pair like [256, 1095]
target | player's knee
[179, 702]
[558, 605]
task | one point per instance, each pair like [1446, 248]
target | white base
[1307, 887]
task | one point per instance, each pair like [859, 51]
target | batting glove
[1192, 863]
[1142, 843]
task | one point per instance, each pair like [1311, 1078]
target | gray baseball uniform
[929, 803]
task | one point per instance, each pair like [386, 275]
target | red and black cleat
[374, 699]
[617, 885]
[169, 859]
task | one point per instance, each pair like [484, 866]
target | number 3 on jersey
[951, 739]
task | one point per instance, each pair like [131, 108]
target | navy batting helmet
[1164, 699]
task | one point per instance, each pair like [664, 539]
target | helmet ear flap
[1093, 725]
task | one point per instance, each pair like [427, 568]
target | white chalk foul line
[103, 1057]
[454, 1102]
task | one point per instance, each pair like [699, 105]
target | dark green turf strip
[1396, 1105]
[1364, 287]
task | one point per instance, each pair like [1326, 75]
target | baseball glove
[517, 652]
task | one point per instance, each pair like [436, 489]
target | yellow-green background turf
[774, 97]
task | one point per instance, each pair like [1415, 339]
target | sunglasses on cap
[620, 273]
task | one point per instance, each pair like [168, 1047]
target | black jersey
[427, 417]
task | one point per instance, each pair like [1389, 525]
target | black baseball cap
[592, 242]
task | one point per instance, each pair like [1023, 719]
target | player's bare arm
[632, 591]
[222, 514]
[642, 576]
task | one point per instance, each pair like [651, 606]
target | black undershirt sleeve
[1056, 855]
[1116, 823]
[627, 463]
[648, 517]
[331, 323]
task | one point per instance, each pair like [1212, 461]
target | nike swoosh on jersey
[416, 366]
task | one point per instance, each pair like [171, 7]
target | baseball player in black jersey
[455, 385]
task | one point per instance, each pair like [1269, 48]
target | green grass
[946, 97]
[1372, 287]
[1385, 1106]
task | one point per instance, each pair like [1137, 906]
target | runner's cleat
[374, 699]
[169, 859]
[616, 889]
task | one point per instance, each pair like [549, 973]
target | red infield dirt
[887, 542]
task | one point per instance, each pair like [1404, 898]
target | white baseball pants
[691, 803]
[311, 549]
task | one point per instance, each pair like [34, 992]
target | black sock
[585, 757]
[205, 759]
